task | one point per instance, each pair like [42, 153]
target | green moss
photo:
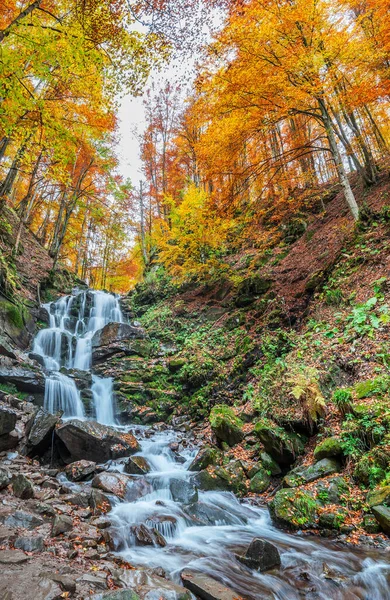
[226, 425]
[260, 481]
[372, 387]
[293, 508]
[10, 388]
[328, 448]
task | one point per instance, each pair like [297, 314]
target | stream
[203, 533]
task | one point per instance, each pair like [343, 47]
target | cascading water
[201, 534]
[205, 536]
[67, 343]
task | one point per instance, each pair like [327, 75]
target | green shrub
[342, 398]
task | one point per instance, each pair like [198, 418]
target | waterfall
[67, 343]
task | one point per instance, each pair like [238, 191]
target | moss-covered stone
[382, 515]
[328, 448]
[372, 466]
[372, 387]
[294, 509]
[260, 482]
[379, 496]
[332, 518]
[283, 447]
[226, 425]
[269, 464]
[332, 491]
[370, 524]
[301, 475]
[206, 456]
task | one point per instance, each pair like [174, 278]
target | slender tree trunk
[7, 184]
[25, 203]
[3, 146]
[142, 225]
[348, 193]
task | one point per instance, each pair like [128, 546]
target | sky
[131, 116]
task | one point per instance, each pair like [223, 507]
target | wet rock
[302, 475]
[147, 537]
[207, 588]
[41, 432]
[61, 524]
[8, 420]
[328, 448]
[382, 515]
[226, 425]
[260, 481]
[283, 447]
[183, 491]
[95, 442]
[5, 478]
[67, 583]
[25, 380]
[206, 456]
[99, 502]
[208, 480]
[13, 557]
[114, 338]
[261, 555]
[293, 508]
[206, 514]
[79, 470]
[379, 496]
[23, 519]
[112, 483]
[137, 465]
[22, 487]
[138, 488]
[29, 544]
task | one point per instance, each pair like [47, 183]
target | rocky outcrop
[25, 380]
[294, 509]
[115, 338]
[302, 475]
[226, 425]
[41, 433]
[92, 441]
[284, 447]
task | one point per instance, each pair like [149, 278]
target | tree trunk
[27, 11]
[25, 203]
[348, 193]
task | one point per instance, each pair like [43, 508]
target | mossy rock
[270, 464]
[209, 480]
[333, 518]
[206, 456]
[370, 524]
[372, 466]
[250, 289]
[235, 477]
[259, 482]
[332, 491]
[382, 515]
[371, 387]
[283, 447]
[303, 475]
[315, 280]
[379, 496]
[328, 448]
[294, 509]
[226, 425]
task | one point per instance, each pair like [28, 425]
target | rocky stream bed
[93, 505]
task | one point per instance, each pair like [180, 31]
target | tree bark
[348, 193]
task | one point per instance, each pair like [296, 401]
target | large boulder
[114, 338]
[230, 478]
[284, 447]
[226, 425]
[123, 486]
[379, 496]
[41, 433]
[92, 441]
[25, 380]
[22, 487]
[294, 509]
[260, 555]
[302, 475]
[260, 481]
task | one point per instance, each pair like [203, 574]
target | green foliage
[10, 388]
[343, 399]
[306, 389]
[373, 387]
[223, 413]
[333, 296]
[366, 318]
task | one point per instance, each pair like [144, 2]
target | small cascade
[67, 343]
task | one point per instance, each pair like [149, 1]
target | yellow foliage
[194, 240]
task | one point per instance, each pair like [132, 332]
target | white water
[311, 568]
[67, 342]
